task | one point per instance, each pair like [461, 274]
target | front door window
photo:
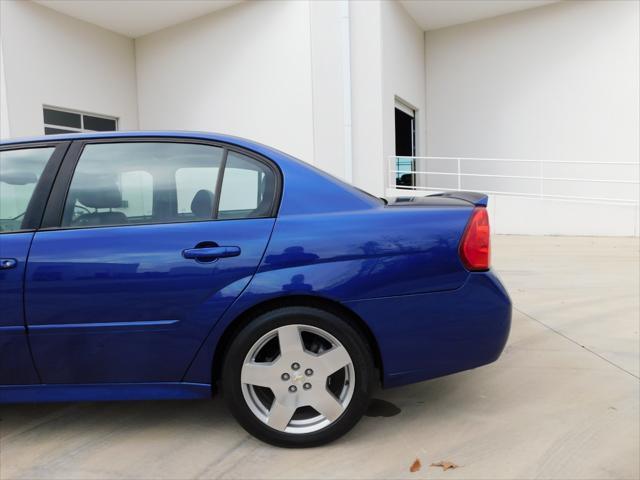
[20, 171]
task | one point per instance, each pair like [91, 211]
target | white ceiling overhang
[432, 14]
[135, 18]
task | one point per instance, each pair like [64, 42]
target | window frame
[41, 193]
[54, 211]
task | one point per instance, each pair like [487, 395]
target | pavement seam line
[577, 343]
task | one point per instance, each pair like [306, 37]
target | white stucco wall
[5, 131]
[558, 82]
[327, 51]
[403, 73]
[366, 94]
[53, 59]
[245, 71]
[387, 62]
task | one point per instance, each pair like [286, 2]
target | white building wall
[5, 131]
[558, 82]
[387, 62]
[327, 82]
[53, 59]
[403, 75]
[366, 95]
[245, 71]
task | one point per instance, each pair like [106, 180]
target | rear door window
[248, 188]
[143, 182]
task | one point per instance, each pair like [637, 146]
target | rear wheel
[298, 377]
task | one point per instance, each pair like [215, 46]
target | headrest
[202, 204]
[103, 193]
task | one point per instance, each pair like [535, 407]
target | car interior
[143, 183]
[156, 195]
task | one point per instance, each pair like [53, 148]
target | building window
[67, 121]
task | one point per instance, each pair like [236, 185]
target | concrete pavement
[562, 401]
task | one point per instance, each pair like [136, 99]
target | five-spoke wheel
[298, 376]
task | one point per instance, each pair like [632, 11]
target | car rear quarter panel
[351, 256]
[366, 254]
[429, 335]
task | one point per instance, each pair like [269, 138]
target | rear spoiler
[474, 198]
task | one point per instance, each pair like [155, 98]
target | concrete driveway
[562, 401]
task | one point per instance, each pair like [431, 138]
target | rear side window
[20, 171]
[163, 182]
[248, 188]
[140, 182]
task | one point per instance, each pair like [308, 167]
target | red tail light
[475, 249]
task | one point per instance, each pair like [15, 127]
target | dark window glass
[62, 119]
[143, 182]
[99, 124]
[54, 131]
[405, 147]
[19, 174]
[248, 188]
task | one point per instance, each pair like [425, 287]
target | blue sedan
[172, 265]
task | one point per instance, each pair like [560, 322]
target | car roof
[143, 133]
[306, 189]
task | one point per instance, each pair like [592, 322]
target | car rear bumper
[434, 334]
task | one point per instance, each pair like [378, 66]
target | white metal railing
[623, 186]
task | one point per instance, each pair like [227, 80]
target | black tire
[350, 338]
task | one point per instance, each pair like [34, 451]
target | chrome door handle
[209, 254]
[7, 263]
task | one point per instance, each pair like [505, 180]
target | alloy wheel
[297, 379]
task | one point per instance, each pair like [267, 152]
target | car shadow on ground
[19, 420]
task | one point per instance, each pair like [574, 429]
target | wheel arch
[322, 303]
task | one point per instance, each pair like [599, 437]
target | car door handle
[208, 254]
[7, 263]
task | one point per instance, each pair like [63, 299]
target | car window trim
[54, 211]
[218, 192]
[34, 213]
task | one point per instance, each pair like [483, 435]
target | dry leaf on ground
[415, 466]
[446, 465]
